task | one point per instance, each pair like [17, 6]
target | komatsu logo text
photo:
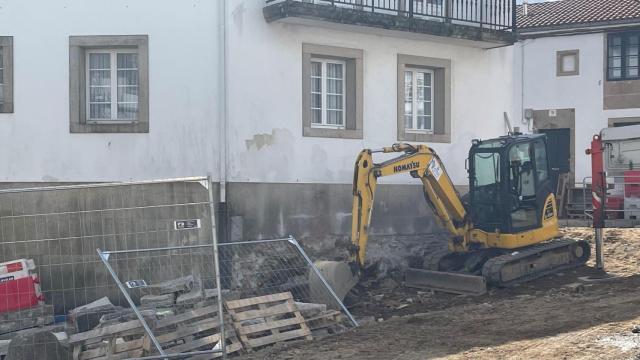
[406, 167]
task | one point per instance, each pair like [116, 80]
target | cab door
[529, 184]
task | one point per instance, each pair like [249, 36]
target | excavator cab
[509, 183]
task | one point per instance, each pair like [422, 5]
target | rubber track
[492, 268]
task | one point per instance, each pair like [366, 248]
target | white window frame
[114, 85]
[414, 103]
[323, 93]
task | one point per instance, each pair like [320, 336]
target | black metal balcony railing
[491, 14]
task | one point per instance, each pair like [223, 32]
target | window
[568, 63]
[6, 74]
[109, 84]
[418, 104]
[332, 95]
[623, 55]
[424, 99]
[327, 93]
[542, 166]
[112, 86]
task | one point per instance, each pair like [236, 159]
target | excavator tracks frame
[536, 261]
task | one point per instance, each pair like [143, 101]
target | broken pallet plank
[107, 331]
[186, 316]
[235, 304]
[118, 348]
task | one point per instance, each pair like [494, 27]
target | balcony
[487, 23]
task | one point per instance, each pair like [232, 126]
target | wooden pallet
[265, 320]
[116, 341]
[193, 330]
[325, 320]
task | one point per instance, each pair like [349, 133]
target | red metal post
[598, 194]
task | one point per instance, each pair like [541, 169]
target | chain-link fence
[268, 273]
[52, 281]
[130, 270]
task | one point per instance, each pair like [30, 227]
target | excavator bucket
[448, 282]
[337, 275]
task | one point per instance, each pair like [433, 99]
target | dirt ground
[557, 317]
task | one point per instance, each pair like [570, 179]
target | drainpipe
[223, 91]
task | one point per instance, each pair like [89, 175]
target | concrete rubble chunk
[309, 310]
[36, 344]
[183, 285]
[164, 300]
[88, 316]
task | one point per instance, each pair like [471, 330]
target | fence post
[216, 265]
[410, 8]
[514, 17]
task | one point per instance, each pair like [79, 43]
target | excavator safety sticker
[435, 169]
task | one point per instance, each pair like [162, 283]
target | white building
[576, 73]
[275, 98]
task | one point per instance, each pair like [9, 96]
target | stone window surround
[560, 55]
[6, 42]
[77, 82]
[632, 120]
[441, 100]
[353, 90]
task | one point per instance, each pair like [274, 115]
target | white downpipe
[223, 90]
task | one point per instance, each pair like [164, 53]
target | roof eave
[541, 31]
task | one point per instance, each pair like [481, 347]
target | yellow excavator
[504, 232]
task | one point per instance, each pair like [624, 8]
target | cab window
[542, 167]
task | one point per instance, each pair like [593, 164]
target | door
[559, 152]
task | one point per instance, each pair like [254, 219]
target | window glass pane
[127, 61]
[427, 108]
[316, 84]
[127, 111]
[128, 94]
[420, 108]
[334, 71]
[100, 94]
[427, 79]
[127, 72]
[615, 51]
[569, 63]
[316, 101]
[408, 122]
[1, 57]
[408, 85]
[100, 61]
[128, 77]
[420, 79]
[542, 169]
[334, 86]
[424, 123]
[632, 61]
[1, 93]
[615, 73]
[100, 77]
[334, 117]
[334, 102]
[316, 116]
[100, 111]
[632, 72]
[616, 40]
[633, 39]
[420, 96]
[316, 68]
[615, 62]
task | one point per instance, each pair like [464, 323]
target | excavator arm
[421, 162]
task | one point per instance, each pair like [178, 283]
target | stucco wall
[183, 55]
[265, 135]
[544, 90]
